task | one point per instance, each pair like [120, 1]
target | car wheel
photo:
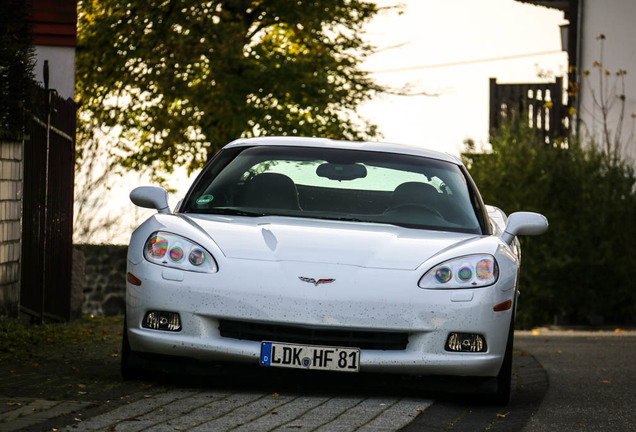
[128, 372]
[504, 378]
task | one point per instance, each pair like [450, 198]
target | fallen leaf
[558, 351]
[275, 394]
[536, 332]
[620, 330]
[524, 353]
[35, 365]
[419, 410]
[503, 415]
[605, 381]
[81, 385]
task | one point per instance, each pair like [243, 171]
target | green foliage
[583, 265]
[16, 67]
[183, 78]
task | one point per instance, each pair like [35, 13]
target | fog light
[160, 320]
[465, 342]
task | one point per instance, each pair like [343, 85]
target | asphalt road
[592, 377]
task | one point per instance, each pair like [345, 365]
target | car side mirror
[524, 223]
[152, 197]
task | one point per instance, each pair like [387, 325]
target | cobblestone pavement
[195, 410]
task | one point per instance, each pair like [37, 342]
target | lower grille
[313, 336]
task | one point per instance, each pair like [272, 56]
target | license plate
[310, 357]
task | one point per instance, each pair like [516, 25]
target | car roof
[349, 145]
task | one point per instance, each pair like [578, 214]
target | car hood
[275, 238]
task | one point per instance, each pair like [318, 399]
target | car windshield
[339, 184]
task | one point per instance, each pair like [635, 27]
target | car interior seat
[272, 191]
[414, 193]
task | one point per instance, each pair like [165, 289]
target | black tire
[504, 378]
[128, 372]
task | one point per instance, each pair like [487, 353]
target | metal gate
[47, 212]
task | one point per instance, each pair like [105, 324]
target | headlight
[171, 250]
[471, 271]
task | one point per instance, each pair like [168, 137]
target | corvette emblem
[316, 282]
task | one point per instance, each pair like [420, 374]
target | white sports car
[326, 255]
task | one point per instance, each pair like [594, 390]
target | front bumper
[359, 299]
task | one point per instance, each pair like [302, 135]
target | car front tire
[128, 371]
[504, 378]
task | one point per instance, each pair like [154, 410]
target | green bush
[584, 265]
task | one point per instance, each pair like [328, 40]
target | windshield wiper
[231, 212]
[345, 219]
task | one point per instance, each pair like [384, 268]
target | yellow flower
[572, 111]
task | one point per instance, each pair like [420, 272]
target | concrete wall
[11, 169]
[614, 19]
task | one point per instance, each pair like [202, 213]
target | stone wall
[11, 171]
[104, 280]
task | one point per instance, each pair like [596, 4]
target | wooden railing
[541, 105]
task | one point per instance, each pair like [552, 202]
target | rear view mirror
[334, 171]
[524, 223]
[151, 197]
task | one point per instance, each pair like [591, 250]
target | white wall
[615, 19]
[61, 68]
